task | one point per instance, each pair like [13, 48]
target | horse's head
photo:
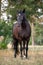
[22, 18]
[21, 15]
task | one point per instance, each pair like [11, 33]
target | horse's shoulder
[16, 24]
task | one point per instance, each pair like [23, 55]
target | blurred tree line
[32, 14]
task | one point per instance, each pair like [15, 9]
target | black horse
[21, 34]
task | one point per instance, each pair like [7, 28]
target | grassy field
[35, 57]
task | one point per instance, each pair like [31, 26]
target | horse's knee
[26, 48]
[15, 47]
[21, 49]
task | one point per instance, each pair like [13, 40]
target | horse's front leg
[15, 52]
[27, 49]
[14, 49]
[15, 43]
[24, 47]
[21, 48]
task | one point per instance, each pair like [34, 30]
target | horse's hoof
[27, 57]
[21, 57]
[14, 56]
[24, 57]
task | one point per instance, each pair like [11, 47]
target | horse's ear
[23, 10]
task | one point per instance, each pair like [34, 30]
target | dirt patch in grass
[7, 58]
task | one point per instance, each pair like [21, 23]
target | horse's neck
[23, 24]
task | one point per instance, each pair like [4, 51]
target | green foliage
[39, 34]
[5, 28]
[31, 7]
[30, 42]
[3, 45]
[6, 31]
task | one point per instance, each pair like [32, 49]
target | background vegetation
[32, 15]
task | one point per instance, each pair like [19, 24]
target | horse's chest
[23, 33]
